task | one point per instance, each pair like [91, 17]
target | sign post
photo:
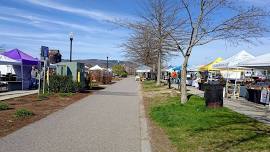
[44, 57]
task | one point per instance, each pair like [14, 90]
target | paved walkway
[15, 94]
[107, 121]
[253, 110]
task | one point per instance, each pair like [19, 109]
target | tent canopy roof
[143, 68]
[4, 60]
[262, 61]
[234, 61]
[18, 55]
[96, 67]
[209, 66]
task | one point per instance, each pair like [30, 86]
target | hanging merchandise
[264, 96]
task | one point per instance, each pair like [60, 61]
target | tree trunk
[159, 69]
[184, 98]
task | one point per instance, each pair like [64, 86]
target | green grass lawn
[193, 127]
[150, 86]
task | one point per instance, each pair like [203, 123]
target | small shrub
[62, 84]
[22, 113]
[4, 106]
[124, 74]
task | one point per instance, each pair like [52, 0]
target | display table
[254, 95]
[13, 85]
[259, 95]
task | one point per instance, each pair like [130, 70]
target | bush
[4, 106]
[119, 70]
[62, 84]
[124, 74]
[22, 113]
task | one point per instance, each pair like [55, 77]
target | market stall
[23, 68]
[8, 80]
[144, 72]
[208, 73]
[259, 90]
[100, 75]
[230, 71]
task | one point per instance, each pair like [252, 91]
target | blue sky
[28, 24]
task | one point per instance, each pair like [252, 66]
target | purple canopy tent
[18, 55]
[25, 59]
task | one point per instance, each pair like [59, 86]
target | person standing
[174, 76]
[34, 76]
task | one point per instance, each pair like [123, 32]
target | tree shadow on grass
[232, 124]
[256, 133]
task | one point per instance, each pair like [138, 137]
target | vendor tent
[96, 67]
[6, 64]
[18, 55]
[260, 62]
[177, 68]
[23, 67]
[234, 61]
[209, 66]
[143, 69]
[229, 68]
[194, 68]
[4, 60]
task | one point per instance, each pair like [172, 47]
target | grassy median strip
[150, 86]
[193, 127]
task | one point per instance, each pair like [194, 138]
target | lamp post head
[71, 35]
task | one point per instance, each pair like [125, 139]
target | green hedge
[63, 84]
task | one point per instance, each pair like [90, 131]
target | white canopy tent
[260, 62]
[231, 65]
[143, 69]
[96, 67]
[234, 61]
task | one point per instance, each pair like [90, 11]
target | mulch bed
[41, 108]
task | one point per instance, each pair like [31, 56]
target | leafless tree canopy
[141, 48]
[204, 21]
[180, 25]
[151, 41]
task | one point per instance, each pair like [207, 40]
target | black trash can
[213, 94]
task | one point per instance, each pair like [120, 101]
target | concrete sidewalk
[253, 110]
[15, 94]
[107, 121]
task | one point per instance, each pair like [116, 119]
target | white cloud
[43, 22]
[93, 14]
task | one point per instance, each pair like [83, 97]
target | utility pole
[71, 39]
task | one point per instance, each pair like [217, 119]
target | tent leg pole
[22, 75]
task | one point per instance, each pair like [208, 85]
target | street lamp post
[71, 39]
[107, 63]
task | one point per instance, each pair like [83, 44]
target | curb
[145, 139]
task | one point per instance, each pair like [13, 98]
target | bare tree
[140, 46]
[205, 21]
[159, 19]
